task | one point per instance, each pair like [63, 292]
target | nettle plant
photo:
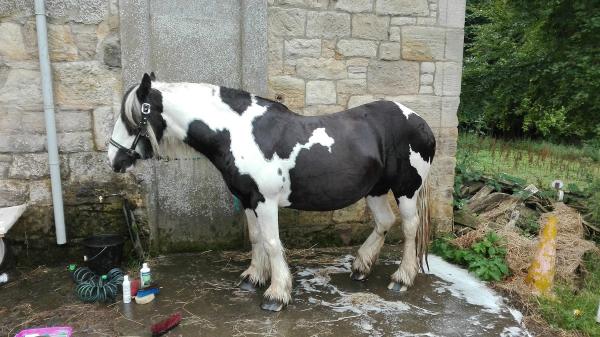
[485, 258]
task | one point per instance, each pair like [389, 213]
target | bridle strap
[141, 132]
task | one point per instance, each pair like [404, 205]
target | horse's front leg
[279, 292]
[259, 271]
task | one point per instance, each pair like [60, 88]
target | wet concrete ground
[447, 302]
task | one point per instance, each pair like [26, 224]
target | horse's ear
[144, 88]
[152, 76]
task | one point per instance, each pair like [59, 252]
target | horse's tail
[424, 228]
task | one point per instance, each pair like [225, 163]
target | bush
[531, 69]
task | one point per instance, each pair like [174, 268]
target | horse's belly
[321, 181]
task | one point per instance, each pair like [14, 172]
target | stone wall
[329, 55]
[86, 68]
[323, 56]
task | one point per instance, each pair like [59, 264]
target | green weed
[485, 258]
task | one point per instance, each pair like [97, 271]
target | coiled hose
[93, 288]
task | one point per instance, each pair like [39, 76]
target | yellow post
[540, 275]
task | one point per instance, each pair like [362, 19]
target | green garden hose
[93, 288]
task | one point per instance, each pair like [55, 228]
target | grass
[576, 309]
[540, 163]
[537, 162]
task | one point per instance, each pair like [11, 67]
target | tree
[531, 68]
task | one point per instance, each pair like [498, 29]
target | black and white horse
[271, 157]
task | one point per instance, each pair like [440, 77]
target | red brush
[165, 326]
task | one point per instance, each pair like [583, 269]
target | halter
[141, 132]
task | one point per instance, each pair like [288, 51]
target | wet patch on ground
[446, 302]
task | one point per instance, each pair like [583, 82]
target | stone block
[321, 68]
[328, 25]
[395, 34]
[431, 21]
[423, 43]
[393, 77]
[353, 213]
[90, 167]
[452, 13]
[426, 90]
[286, 22]
[328, 49]
[40, 193]
[61, 43]
[402, 21]
[29, 166]
[86, 40]
[370, 26]
[111, 51]
[275, 54]
[454, 45]
[449, 109]
[428, 107]
[389, 51]
[447, 79]
[70, 121]
[446, 143]
[18, 84]
[104, 120]
[4, 168]
[355, 101]
[352, 86]
[75, 141]
[12, 42]
[353, 47]
[428, 67]
[426, 79]
[402, 7]
[13, 192]
[289, 89]
[355, 6]
[303, 47]
[320, 92]
[83, 85]
[21, 143]
[314, 218]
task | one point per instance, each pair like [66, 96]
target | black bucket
[103, 252]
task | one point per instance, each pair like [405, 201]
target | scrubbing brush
[165, 326]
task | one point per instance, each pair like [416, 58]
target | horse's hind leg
[409, 267]
[258, 272]
[369, 251]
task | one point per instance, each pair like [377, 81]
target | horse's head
[140, 127]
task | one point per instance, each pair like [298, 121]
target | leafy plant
[485, 258]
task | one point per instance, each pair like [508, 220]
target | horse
[271, 157]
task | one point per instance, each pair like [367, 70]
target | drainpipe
[57, 201]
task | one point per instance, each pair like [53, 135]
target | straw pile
[570, 247]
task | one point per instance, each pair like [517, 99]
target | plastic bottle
[145, 276]
[126, 289]
[3, 278]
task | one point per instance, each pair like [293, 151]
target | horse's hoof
[272, 305]
[247, 285]
[356, 276]
[397, 287]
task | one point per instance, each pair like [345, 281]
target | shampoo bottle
[145, 276]
[126, 289]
